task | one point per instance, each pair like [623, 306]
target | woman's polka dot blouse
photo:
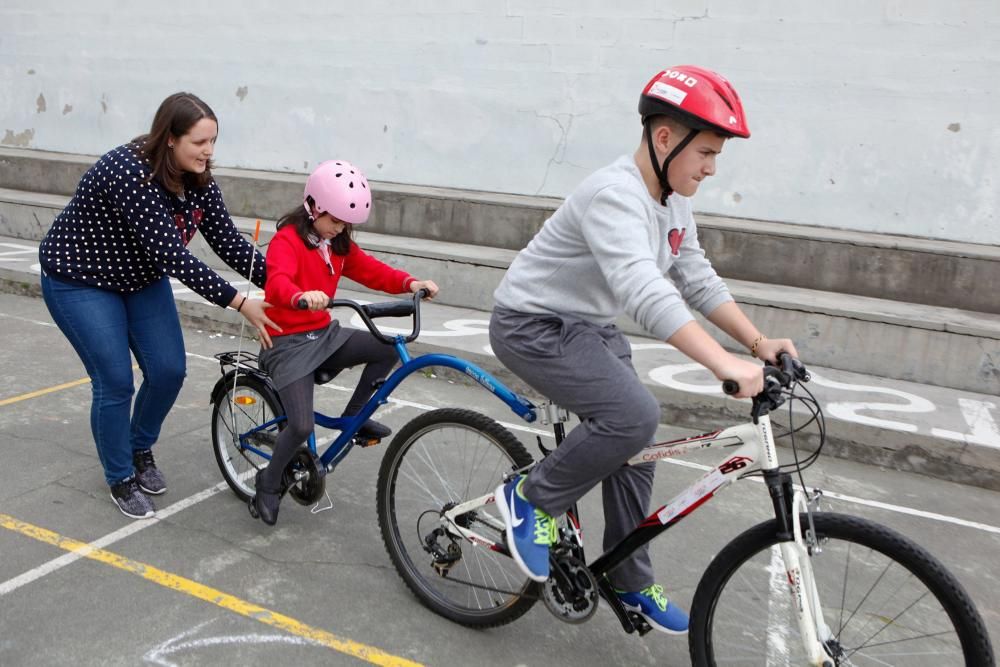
[123, 231]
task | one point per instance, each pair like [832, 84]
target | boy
[623, 241]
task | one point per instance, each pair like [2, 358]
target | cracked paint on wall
[19, 140]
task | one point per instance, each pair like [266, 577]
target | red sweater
[294, 268]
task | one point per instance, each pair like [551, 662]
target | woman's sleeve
[361, 267]
[145, 211]
[227, 242]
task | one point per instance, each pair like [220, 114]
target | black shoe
[148, 475]
[264, 505]
[373, 430]
[130, 500]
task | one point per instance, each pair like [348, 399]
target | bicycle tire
[254, 403]
[465, 455]
[861, 564]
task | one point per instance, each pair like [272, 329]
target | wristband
[756, 342]
[240, 307]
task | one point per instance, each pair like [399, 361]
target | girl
[305, 260]
[105, 263]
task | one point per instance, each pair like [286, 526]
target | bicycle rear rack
[234, 360]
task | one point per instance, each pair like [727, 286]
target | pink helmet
[339, 188]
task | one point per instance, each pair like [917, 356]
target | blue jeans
[103, 326]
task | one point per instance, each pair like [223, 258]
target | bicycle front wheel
[438, 460]
[885, 599]
[240, 410]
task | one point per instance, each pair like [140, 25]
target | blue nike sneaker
[530, 531]
[659, 612]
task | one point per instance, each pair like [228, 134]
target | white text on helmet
[681, 77]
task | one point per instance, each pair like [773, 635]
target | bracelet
[756, 342]
[240, 307]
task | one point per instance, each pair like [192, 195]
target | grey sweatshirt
[611, 248]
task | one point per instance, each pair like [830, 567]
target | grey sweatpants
[588, 370]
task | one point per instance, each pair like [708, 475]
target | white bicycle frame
[755, 450]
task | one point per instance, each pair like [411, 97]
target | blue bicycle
[247, 414]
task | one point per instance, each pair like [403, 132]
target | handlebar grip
[301, 304]
[389, 309]
[730, 387]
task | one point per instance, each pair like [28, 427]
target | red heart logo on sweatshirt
[675, 237]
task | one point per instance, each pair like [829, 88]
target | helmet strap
[661, 170]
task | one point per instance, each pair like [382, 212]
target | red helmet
[696, 97]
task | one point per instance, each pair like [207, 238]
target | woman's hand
[429, 285]
[253, 311]
[316, 299]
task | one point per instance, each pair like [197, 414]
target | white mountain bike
[804, 588]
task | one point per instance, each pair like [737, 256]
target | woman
[105, 266]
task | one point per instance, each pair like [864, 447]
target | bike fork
[814, 631]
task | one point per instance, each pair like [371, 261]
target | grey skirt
[297, 355]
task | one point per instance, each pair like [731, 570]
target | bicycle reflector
[244, 400]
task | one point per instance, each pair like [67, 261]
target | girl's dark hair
[175, 118]
[339, 244]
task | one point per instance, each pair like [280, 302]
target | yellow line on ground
[42, 392]
[49, 390]
[174, 582]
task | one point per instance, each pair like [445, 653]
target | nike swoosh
[514, 521]
[633, 607]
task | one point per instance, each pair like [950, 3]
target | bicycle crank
[305, 477]
[570, 592]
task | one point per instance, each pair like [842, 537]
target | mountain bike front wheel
[885, 599]
[438, 460]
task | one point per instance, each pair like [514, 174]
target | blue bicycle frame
[348, 426]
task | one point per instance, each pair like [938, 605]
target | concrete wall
[873, 115]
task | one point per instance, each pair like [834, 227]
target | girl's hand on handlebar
[746, 374]
[315, 299]
[253, 311]
[768, 349]
[429, 285]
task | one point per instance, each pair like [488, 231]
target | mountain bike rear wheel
[886, 600]
[439, 459]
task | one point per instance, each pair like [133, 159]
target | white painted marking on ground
[28, 320]
[109, 539]
[667, 376]
[983, 427]
[158, 654]
[849, 411]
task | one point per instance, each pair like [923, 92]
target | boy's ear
[661, 136]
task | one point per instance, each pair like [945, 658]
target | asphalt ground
[205, 584]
